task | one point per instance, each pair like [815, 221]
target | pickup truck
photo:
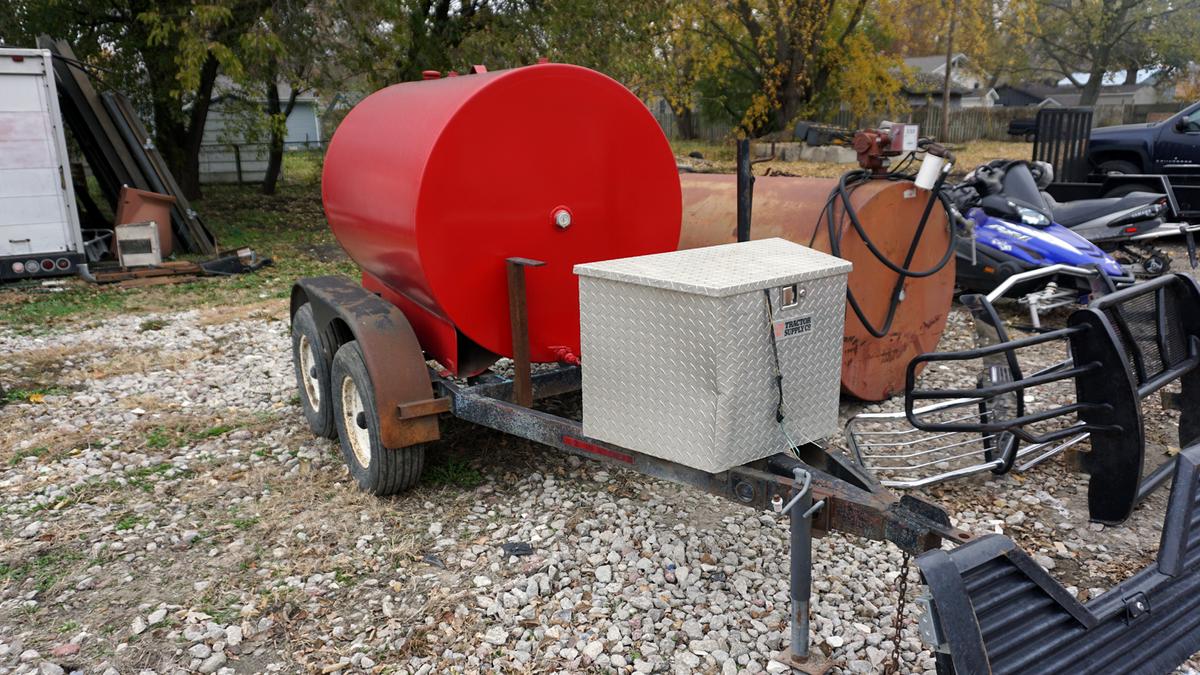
[1171, 146]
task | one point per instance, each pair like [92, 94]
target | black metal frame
[1116, 363]
[836, 494]
[1062, 140]
[857, 503]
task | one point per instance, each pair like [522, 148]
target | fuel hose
[846, 185]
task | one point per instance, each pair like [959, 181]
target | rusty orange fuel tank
[890, 211]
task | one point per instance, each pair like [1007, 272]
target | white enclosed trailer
[39, 226]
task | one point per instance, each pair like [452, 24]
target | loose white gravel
[164, 509]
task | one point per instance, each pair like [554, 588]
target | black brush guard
[1125, 346]
[992, 609]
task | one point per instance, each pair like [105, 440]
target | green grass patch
[45, 568]
[179, 436]
[244, 524]
[27, 395]
[151, 325]
[144, 477]
[130, 521]
[28, 452]
[455, 472]
[159, 437]
[211, 432]
[31, 312]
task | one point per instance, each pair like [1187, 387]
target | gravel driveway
[163, 508]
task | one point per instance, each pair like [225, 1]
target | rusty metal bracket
[431, 406]
[518, 316]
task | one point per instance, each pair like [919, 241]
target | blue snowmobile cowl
[1046, 245]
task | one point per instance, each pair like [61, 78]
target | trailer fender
[345, 311]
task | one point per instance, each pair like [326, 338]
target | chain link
[893, 665]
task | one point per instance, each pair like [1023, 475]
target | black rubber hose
[903, 272]
[934, 196]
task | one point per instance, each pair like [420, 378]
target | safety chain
[893, 665]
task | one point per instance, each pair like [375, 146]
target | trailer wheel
[312, 363]
[378, 470]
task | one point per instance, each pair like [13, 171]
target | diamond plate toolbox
[678, 354]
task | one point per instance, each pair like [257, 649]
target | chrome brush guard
[903, 455]
[1123, 347]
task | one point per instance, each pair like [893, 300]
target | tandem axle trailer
[989, 608]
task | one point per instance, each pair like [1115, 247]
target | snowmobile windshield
[1019, 185]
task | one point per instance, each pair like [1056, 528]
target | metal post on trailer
[518, 316]
[800, 511]
[745, 189]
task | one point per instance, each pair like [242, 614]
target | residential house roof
[1069, 95]
[933, 64]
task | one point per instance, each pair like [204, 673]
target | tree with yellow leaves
[765, 63]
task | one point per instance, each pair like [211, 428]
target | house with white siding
[228, 145]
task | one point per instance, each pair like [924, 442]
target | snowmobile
[1010, 231]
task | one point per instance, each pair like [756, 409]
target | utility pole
[945, 133]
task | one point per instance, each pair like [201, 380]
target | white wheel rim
[352, 407]
[308, 369]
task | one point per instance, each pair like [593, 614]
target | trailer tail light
[31, 266]
[18, 267]
[48, 265]
[63, 264]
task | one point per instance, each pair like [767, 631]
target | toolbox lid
[719, 271]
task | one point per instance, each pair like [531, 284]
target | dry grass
[973, 154]
[719, 158]
[143, 361]
[45, 446]
[266, 310]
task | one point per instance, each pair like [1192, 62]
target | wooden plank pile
[117, 147]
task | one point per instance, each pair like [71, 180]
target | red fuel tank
[430, 186]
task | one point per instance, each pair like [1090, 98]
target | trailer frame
[819, 490]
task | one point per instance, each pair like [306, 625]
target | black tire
[315, 383]
[1122, 190]
[1119, 166]
[376, 469]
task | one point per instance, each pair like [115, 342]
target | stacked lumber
[117, 147]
